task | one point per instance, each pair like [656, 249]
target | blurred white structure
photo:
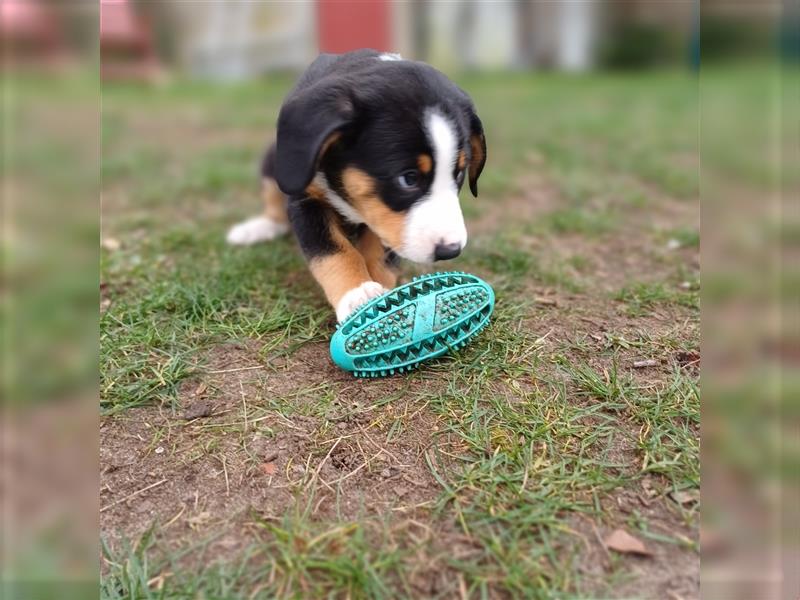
[229, 40]
[491, 34]
[577, 34]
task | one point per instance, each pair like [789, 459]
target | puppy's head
[391, 146]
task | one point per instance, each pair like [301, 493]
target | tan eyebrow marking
[384, 221]
[425, 163]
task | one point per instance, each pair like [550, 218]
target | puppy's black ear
[307, 124]
[477, 144]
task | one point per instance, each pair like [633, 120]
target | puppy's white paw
[255, 230]
[356, 297]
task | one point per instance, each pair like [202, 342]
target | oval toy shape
[415, 322]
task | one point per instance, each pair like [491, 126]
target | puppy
[371, 153]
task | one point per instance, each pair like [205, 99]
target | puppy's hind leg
[268, 226]
[274, 221]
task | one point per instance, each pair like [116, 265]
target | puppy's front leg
[375, 257]
[333, 261]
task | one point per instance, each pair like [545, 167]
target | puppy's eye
[409, 179]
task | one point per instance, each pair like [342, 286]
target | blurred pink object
[127, 48]
[120, 27]
[30, 28]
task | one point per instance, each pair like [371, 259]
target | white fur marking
[390, 56]
[436, 218]
[342, 206]
[356, 297]
[255, 230]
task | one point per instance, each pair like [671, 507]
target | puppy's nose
[446, 251]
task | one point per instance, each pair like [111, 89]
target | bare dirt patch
[223, 455]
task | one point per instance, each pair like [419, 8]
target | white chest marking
[342, 206]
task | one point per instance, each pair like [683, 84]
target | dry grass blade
[133, 495]
[322, 464]
[643, 364]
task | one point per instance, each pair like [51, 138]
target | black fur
[312, 222]
[377, 108]
[377, 105]
[268, 163]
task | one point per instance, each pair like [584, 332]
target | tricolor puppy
[370, 156]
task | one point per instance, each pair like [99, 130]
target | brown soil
[215, 471]
[216, 482]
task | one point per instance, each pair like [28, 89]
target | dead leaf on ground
[684, 497]
[269, 468]
[623, 542]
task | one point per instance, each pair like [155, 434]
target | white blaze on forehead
[389, 56]
[436, 218]
[443, 139]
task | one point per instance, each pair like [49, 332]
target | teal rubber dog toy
[410, 324]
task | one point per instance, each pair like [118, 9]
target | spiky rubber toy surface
[415, 322]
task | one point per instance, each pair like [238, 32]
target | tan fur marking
[274, 201]
[462, 160]
[340, 272]
[477, 155]
[425, 163]
[388, 224]
[316, 192]
[374, 255]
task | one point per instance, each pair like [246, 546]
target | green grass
[152, 333]
[539, 424]
[319, 561]
[686, 237]
[642, 297]
[573, 220]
